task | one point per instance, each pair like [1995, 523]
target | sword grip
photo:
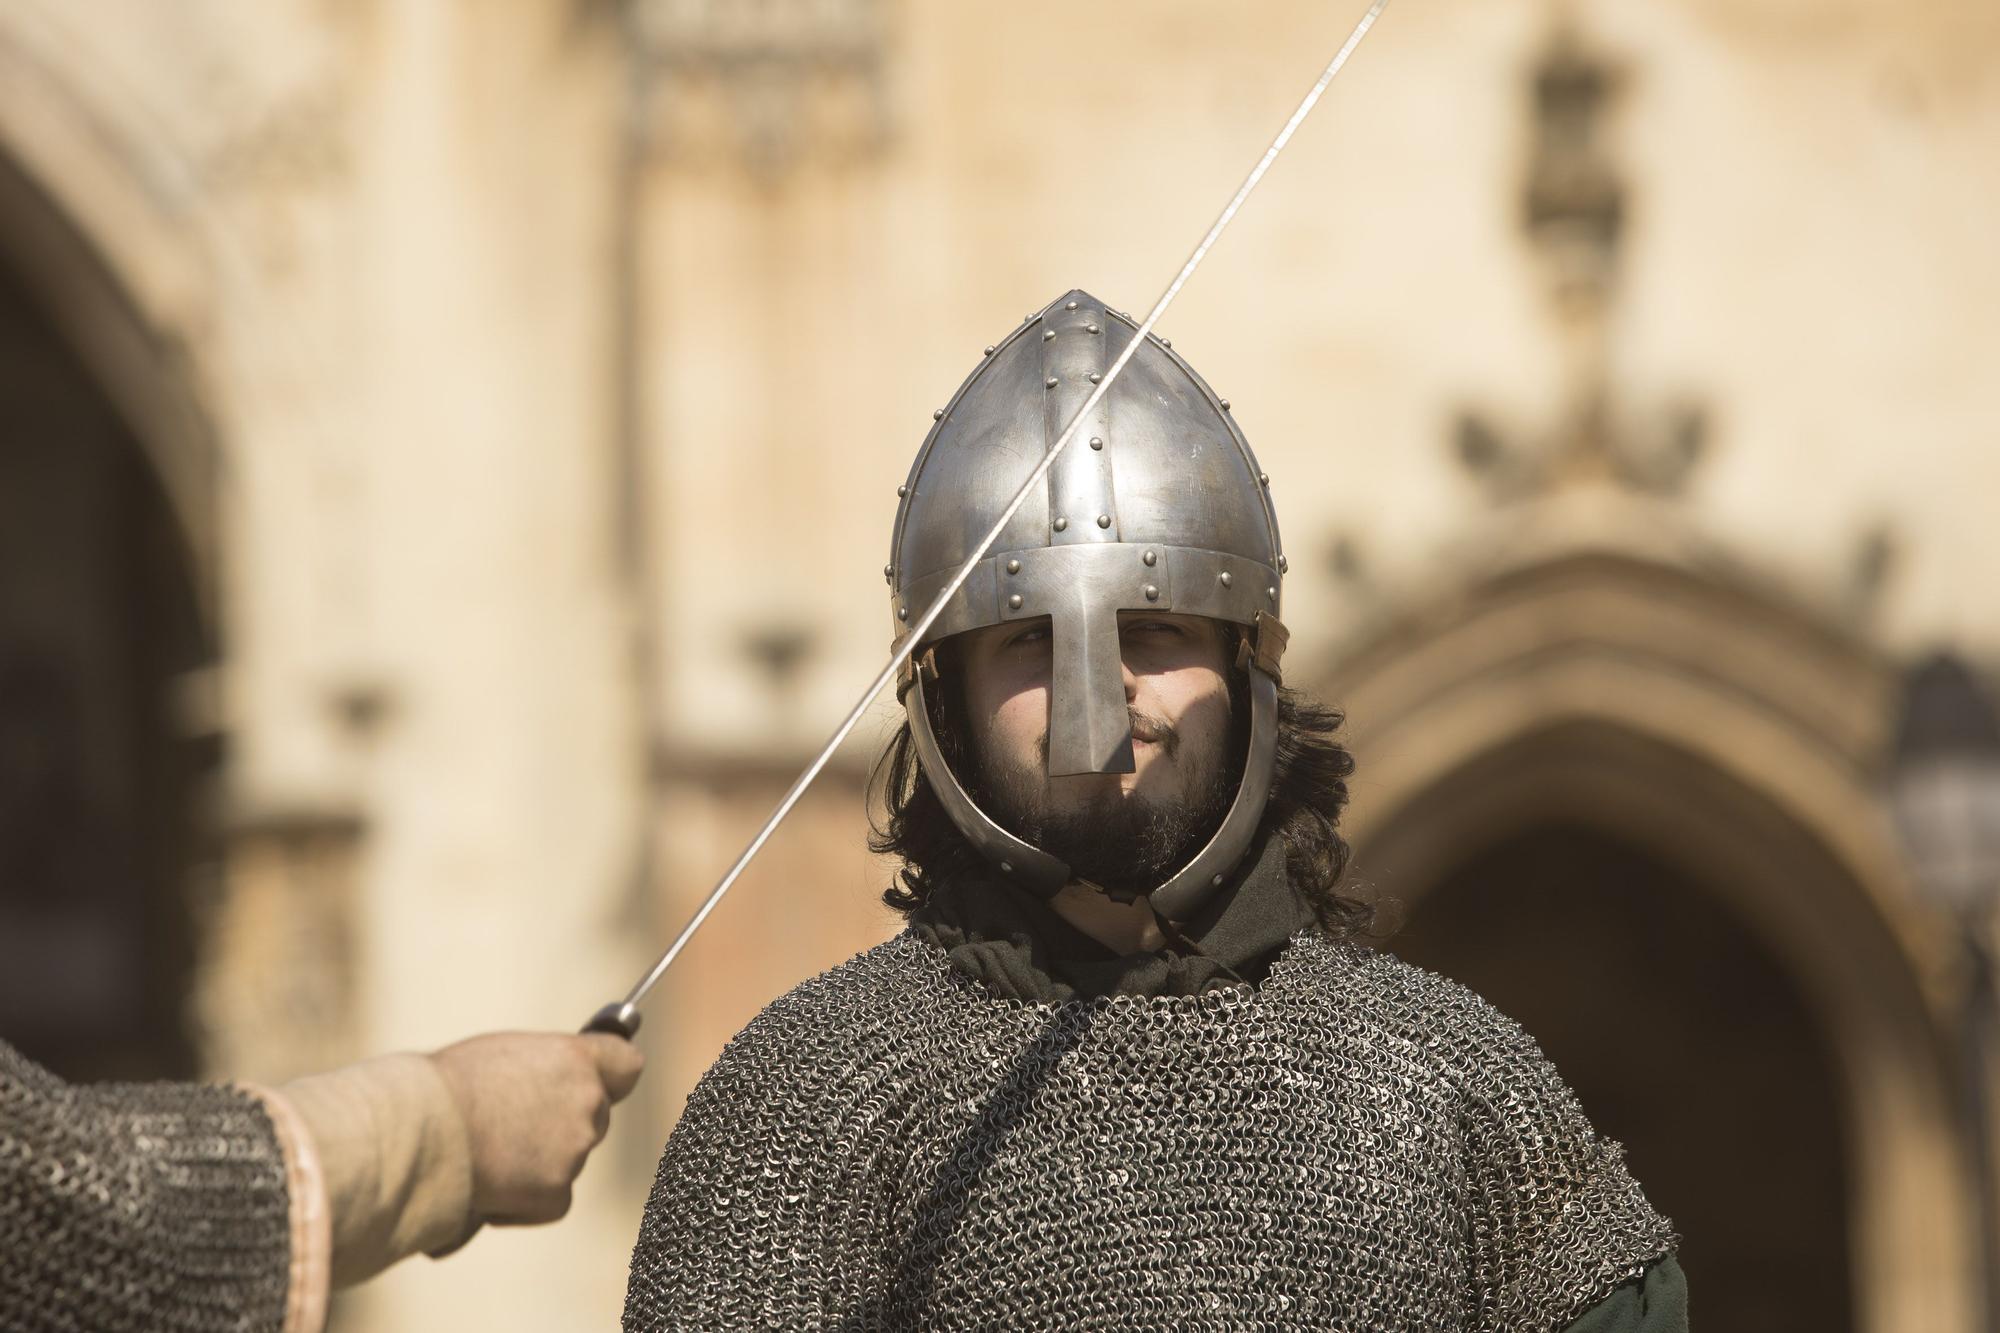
[617, 1020]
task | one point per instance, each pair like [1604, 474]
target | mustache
[1145, 727]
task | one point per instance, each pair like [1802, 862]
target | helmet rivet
[1095, 377]
[1225, 404]
[1014, 602]
[1217, 881]
[902, 491]
[938, 414]
[1013, 566]
[1226, 580]
[1151, 558]
[888, 571]
[1091, 328]
[1006, 867]
[1166, 342]
[989, 349]
[1104, 520]
[1048, 334]
[1152, 593]
[1027, 319]
[1271, 593]
[1070, 306]
[1283, 564]
[1049, 383]
[902, 613]
[1263, 478]
[1061, 524]
[1097, 441]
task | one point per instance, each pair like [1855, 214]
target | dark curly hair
[1308, 792]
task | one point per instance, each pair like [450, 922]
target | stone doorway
[1684, 1038]
[1673, 723]
[100, 627]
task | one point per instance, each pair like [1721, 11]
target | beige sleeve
[311, 1235]
[396, 1159]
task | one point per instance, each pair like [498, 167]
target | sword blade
[624, 1017]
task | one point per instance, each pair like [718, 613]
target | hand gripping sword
[622, 1018]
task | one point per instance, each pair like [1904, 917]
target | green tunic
[1656, 1303]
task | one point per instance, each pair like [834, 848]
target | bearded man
[1127, 1067]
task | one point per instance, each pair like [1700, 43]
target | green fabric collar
[1015, 944]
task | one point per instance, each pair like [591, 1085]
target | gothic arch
[99, 216]
[114, 604]
[1681, 707]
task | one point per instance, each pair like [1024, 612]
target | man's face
[1117, 825]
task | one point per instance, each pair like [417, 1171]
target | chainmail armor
[157, 1207]
[1357, 1145]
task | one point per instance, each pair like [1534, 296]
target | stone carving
[1573, 211]
[764, 85]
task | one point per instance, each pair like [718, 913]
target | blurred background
[450, 448]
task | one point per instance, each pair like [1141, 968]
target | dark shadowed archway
[1616, 703]
[1685, 1040]
[101, 621]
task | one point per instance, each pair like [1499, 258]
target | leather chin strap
[1193, 884]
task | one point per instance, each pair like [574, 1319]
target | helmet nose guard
[1090, 726]
[1157, 504]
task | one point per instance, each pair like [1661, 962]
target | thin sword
[623, 1017]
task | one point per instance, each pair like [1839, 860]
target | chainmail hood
[1355, 1145]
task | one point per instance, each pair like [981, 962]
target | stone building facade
[452, 449]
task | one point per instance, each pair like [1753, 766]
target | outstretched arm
[191, 1207]
[417, 1152]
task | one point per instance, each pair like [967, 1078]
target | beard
[1121, 841]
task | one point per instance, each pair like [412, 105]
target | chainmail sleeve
[1558, 1222]
[158, 1207]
